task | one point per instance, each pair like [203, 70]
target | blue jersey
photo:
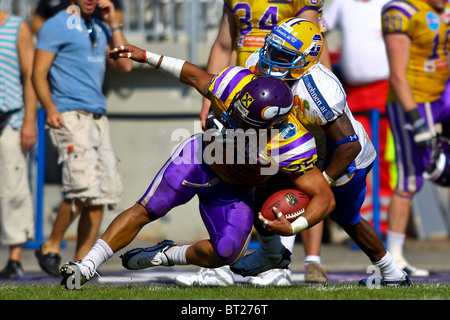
[78, 70]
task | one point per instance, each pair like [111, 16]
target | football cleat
[141, 258]
[372, 282]
[208, 277]
[410, 270]
[274, 277]
[75, 274]
[315, 273]
[260, 261]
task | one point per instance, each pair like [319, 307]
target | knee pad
[231, 249]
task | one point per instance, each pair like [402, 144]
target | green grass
[241, 301]
[237, 292]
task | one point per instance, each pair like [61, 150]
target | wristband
[299, 225]
[329, 180]
[151, 58]
[119, 27]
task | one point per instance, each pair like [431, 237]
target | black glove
[213, 123]
[423, 137]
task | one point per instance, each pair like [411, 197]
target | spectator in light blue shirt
[68, 75]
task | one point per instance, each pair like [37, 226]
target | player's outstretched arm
[184, 71]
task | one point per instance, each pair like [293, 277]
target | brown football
[291, 202]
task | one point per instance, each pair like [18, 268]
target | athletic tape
[152, 58]
[172, 66]
[299, 225]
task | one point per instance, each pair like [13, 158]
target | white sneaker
[411, 270]
[208, 277]
[274, 277]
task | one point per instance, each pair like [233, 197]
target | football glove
[213, 123]
[423, 137]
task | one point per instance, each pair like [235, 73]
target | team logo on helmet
[315, 50]
[247, 100]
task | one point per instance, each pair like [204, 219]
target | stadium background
[150, 113]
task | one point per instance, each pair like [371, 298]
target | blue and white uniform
[319, 98]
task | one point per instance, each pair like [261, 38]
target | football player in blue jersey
[346, 155]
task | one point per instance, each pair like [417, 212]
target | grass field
[233, 302]
[236, 292]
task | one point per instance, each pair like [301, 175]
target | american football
[291, 202]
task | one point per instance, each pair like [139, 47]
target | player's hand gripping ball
[291, 202]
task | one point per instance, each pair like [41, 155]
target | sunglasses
[90, 25]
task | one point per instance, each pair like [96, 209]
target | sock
[272, 243]
[98, 254]
[389, 270]
[311, 258]
[288, 242]
[177, 254]
[395, 243]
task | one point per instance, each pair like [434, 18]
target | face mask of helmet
[290, 49]
[274, 55]
[439, 169]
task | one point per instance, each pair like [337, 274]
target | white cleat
[411, 270]
[274, 277]
[75, 274]
[208, 277]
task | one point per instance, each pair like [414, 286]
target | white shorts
[16, 202]
[89, 165]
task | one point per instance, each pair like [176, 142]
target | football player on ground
[292, 52]
[243, 28]
[200, 166]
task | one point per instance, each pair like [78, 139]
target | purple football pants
[412, 161]
[226, 210]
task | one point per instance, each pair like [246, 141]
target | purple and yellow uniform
[427, 74]
[291, 137]
[256, 18]
[428, 66]
[225, 188]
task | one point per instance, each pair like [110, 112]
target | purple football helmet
[263, 103]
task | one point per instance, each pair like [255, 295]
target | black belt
[96, 116]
